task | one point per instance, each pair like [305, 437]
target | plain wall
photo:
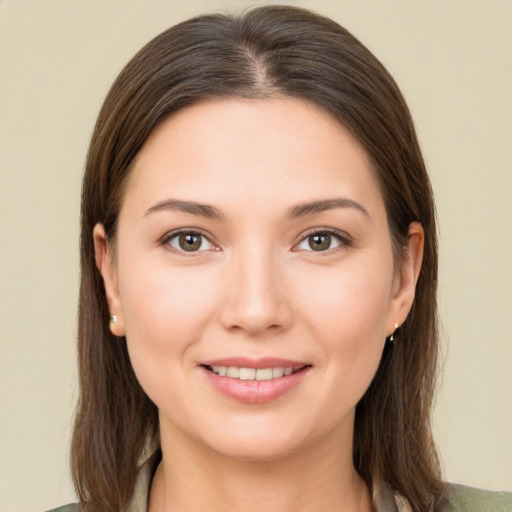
[452, 60]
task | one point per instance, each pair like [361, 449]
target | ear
[107, 270]
[404, 286]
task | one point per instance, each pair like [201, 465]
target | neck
[316, 478]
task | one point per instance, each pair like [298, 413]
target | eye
[188, 241]
[321, 241]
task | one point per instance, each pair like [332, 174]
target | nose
[256, 299]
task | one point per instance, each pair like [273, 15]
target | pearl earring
[392, 337]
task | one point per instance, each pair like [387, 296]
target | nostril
[254, 311]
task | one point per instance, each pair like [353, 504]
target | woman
[259, 266]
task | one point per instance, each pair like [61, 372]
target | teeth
[233, 371]
[247, 373]
[264, 374]
[251, 373]
[277, 372]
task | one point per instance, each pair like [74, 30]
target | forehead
[277, 150]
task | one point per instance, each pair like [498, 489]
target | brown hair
[269, 51]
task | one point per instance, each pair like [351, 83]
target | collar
[384, 500]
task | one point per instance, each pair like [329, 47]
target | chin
[257, 449]
[265, 442]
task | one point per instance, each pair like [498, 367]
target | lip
[254, 391]
[261, 362]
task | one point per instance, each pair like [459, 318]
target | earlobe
[107, 270]
[407, 277]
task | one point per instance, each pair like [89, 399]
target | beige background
[57, 60]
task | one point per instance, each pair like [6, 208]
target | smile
[254, 381]
[236, 372]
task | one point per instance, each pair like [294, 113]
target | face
[254, 276]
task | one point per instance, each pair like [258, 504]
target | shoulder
[71, 507]
[469, 499]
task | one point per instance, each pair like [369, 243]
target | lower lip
[255, 391]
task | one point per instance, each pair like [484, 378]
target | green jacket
[469, 499]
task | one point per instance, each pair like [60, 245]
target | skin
[256, 288]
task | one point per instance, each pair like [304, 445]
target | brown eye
[320, 241]
[190, 242]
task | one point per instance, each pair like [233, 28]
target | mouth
[255, 381]
[259, 374]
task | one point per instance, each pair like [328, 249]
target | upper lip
[257, 363]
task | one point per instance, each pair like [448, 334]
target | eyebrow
[300, 210]
[204, 210]
[312, 207]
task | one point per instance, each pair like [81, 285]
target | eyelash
[176, 234]
[342, 238]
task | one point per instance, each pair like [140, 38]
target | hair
[267, 52]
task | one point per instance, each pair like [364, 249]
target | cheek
[353, 301]
[346, 312]
[165, 309]
[161, 297]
